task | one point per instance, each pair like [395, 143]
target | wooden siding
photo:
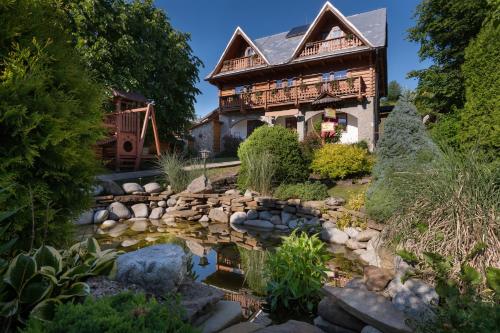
[330, 45]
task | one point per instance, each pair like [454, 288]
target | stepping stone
[373, 309]
[226, 313]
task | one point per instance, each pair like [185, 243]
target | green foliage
[480, 118]
[32, 284]
[122, 313]
[260, 169]
[50, 116]
[131, 45]
[309, 145]
[283, 145]
[443, 29]
[403, 145]
[304, 191]
[341, 161]
[296, 274]
[252, 262]
[174, 167]
[463, 306]
[394, 91]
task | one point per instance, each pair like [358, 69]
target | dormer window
[249, 52]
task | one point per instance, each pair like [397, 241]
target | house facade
[332, 70]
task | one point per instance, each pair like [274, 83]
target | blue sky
[212, 22]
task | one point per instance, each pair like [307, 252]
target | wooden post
[143, 136]
[155, 131]
[118, 120]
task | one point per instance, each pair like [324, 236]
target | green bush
[50, 117]
[173, 165]
[309, 145]
[122, 313]
[340, 161]
[296, 272]
[283, 145]
[304, 191]
[260, 170]
[33, 284]
[403, 146]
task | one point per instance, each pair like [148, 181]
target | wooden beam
[155, 132]
[143, 136]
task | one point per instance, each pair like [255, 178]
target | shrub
[260, 170]
[283, 144]
[309, 145]
[230, 145]
[304, 191]
[50, 117]
[341, 161]
[174, 167]
[403, 145]
[296, 274]
[32, 284]
[122, 313]
[449, 207]
[355, 202]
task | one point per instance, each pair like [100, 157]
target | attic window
[249, 52]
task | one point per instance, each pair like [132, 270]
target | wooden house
[334, 68]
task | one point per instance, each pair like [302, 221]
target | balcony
[353, 87]
[242, 63]
[330, 45]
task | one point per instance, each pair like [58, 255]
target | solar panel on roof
[297, 31]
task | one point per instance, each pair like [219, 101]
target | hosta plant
[33, 284]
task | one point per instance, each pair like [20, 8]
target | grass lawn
[346, 190]
[220, 172]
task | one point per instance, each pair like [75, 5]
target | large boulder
[334, 235]
[132, 187]
[424, 291]
[225, 314]
[370, 308]
[159, 269]
[412, 305]
[200, 185]
[329, 310]
[238, 218]
[118, 211]
[252, 214]
[152, 187]
[291, 326]
[218, 215]
[140, 210]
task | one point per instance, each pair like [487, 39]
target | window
[325, 77]
[249, 52]
[279, 83]
[342, 120]
[340, 74]
[289, 82]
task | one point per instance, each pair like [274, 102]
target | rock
[232, 192]
[265, 215]
[218, 215]
[334, 235]
[252, 214]
[370, 308]
[159, 269]
[129, 242]
[395, 286]
[286, 217]
[244, 327]
[153, 204]
[275, 219]
[156, 213]
[366, 235]
[130, 188]
[162, 203]
[110, 187]
[171, 202]
[412, 305]
[108, 224]
[197, 298]
[370, 329]
[118, 211]
[292, 224]
[368, 257]
[238, 218]
[354, 245]
[152, 188]
[351, 232]
[249, 193]
[329, 225]
[376, 279]
[100, 216]
[291, 326]
[204, 218]
[200, 185]
[401, 267]
[139, 226]
[424, 291]
[226, 313]
[118, 230]
[328, 327]
[86, 217]
[375, 226]
[329, 310]
[218, 228]
[140, 210]
[356, 283]
[334, 201]
[281, 227]
[262, 224]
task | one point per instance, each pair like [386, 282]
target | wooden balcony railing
[330, 45]
[242, 63]
[302, 93]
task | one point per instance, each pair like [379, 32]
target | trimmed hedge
[283, 145]
[340, 161]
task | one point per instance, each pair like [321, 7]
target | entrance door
[291, 123]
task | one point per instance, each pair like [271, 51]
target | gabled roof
[238, 32]
[277, 49]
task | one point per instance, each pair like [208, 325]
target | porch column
[301, 126]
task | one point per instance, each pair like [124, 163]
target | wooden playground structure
[127, 128]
